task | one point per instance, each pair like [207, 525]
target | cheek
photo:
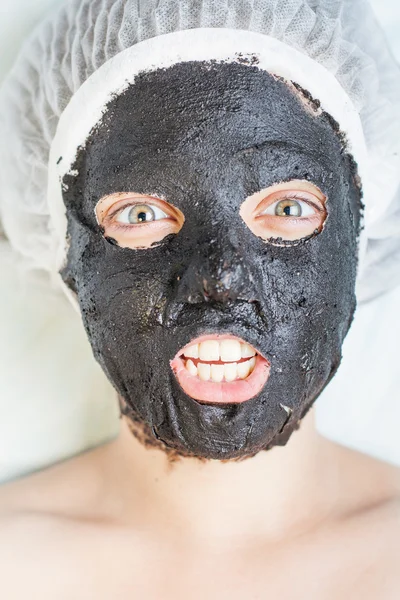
[119, 292]
[309, 291]
[308, 318]
[125, 303]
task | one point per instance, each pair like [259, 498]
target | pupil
[142, 216]
[287, 210]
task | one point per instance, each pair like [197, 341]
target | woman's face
[214, 199]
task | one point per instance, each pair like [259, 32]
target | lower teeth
[221, 372]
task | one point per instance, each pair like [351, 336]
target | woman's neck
[277, 492]
[270, 497]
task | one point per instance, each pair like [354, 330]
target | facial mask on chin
[205, 137]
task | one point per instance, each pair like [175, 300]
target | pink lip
[224, 392]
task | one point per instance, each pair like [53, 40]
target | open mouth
[220, 369]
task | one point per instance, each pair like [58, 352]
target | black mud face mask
[205, 137]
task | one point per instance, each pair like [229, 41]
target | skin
[311, 520]
[206, 140]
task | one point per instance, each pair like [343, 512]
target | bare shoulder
[46, 556]
[41, 526]
[370, 481]
[370, 492]
[369, 531]
[25, 541]
[58, 533]
[76, 486]
[373, 536]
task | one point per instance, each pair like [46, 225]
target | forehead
[213, 112]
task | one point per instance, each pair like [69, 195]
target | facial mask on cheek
[204, 138]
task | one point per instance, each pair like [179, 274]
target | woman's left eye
[140, 213]
[290, 207]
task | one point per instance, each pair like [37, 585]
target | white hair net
[342, 35]
[82, 35]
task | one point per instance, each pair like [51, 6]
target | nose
[219, 272]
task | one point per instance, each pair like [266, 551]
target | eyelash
[293, 197]
[123, 227]
[121, 209]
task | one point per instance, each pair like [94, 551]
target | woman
[205, 189]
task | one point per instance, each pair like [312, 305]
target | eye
[290, 207]
[285, 212]
[140, 213]
[137, 221]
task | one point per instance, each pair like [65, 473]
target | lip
[225, 392]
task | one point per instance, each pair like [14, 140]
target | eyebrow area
[323, 160]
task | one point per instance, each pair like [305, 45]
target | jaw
[150, 440]
[143, 433]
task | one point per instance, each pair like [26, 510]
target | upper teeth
[225, 350]
[217, 373]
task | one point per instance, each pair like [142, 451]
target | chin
[149, 439]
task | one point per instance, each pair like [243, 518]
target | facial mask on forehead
[203, 138]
